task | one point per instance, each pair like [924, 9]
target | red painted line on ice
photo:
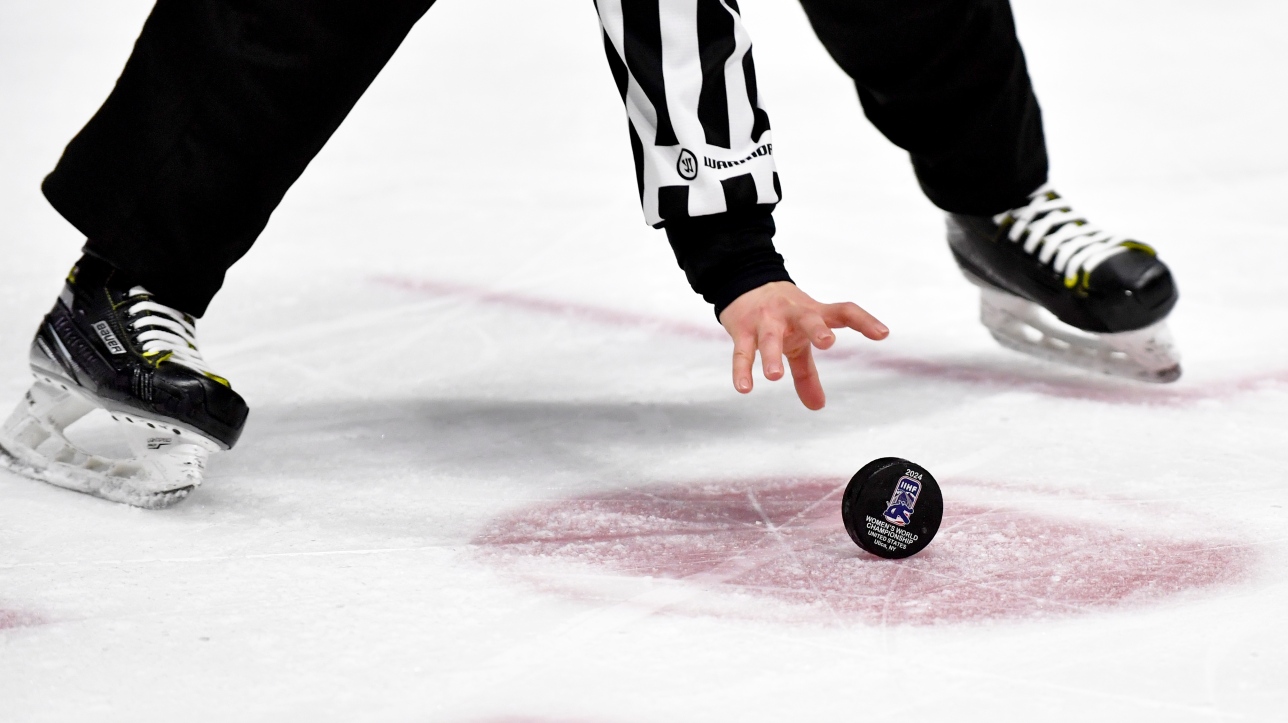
[18, 619]
[780, 544]
[596, 314]
[1091, 388]
[529, 719]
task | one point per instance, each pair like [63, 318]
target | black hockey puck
[892, 508]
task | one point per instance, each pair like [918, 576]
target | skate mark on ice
[1091, 388]
[769, 549]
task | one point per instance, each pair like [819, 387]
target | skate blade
[167, 462]
[1147, 354]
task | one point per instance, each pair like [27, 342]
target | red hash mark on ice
[782, 541]
[1093, 388]
[528, 719]
[17, 619]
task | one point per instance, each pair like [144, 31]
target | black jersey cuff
[728, 254]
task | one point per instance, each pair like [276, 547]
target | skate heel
[166, 462]
[34, 429]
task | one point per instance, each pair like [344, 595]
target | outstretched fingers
[849, 314]
[815, 328]
[744, 356]
[779, 319]
[770, 342]
[805, 378]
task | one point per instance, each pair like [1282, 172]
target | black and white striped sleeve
[701, 141]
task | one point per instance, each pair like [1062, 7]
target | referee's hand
[780, 319]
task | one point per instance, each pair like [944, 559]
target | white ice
[495, 469]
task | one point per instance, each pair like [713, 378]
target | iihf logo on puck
[899, 509]
[892, 508]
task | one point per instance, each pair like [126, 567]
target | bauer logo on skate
[109, 339]
[899, 509]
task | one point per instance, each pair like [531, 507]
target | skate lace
[1048, 226]
[166, 334]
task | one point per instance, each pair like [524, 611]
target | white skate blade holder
[167, 459]
[1146, 354]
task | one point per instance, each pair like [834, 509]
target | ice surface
[495, 470]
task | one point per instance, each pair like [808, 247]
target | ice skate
[1057, 287]
[111, 346]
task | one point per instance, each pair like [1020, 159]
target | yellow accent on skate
[1139, 247]
[165, 357]
[219, 380]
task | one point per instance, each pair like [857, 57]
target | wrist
[726, 255]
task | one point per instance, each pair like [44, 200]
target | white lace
[167, 331]
[1062, 238]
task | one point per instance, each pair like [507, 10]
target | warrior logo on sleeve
[687, 166]
[899, 509]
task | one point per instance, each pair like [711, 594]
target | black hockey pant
[223, 103]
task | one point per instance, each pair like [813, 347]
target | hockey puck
[892, 508]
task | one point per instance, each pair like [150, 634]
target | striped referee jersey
[700, 139]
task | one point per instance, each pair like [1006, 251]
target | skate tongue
[91, 271]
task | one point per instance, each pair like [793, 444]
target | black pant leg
[221, 106]
[945, 80]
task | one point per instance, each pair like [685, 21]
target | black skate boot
[1054, 286]
[108, 344]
